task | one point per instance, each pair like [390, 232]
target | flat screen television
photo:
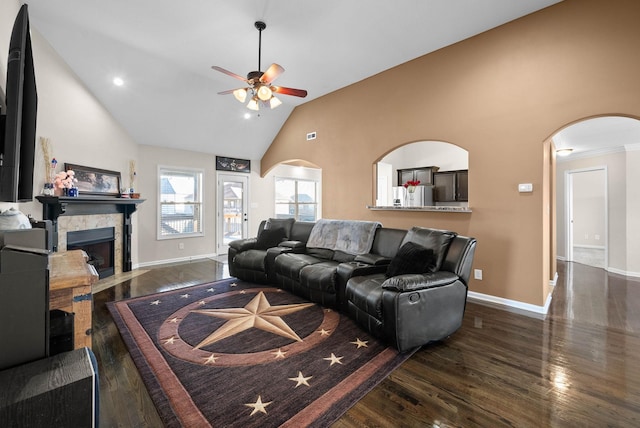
[18, 119]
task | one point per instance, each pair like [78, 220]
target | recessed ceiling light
[247, 115]
[118, 81]
[564, 152]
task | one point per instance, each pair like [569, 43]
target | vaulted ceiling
[163, 50]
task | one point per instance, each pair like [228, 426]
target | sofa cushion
[320, 276]
[321, 253]
[365, 293]
[250, 260]
[342, 257]
[270, 238]
[412, 258]
[289, 265]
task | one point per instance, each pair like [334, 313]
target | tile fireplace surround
[89, 222]
[86, 213]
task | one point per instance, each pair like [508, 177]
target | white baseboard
[561, 258]
[507, 304]
[590, 247]
[176, 260]
[623, 272]
[554, 281]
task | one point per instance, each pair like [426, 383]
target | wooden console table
[70, 281]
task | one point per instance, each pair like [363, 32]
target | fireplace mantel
[56, 206]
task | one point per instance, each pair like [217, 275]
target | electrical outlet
[477, 274]
[181, 246]
[311, 136]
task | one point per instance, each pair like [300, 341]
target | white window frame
[198, 202]
[296, 202]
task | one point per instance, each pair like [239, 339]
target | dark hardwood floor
[577, 367]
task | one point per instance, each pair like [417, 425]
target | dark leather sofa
[408, 289]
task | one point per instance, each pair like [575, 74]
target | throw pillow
[412, 258]
[270, 238]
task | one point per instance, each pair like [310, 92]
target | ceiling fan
[260, 90]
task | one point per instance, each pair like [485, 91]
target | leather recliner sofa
[408, 289]
[412, 309]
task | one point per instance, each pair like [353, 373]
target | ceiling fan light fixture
[264, 93]
[240, 94]
[275, 102]
[253, 104]
[260, 89]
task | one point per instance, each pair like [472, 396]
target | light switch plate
[525, 187]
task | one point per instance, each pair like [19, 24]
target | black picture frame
[95, 181]
[233, 164]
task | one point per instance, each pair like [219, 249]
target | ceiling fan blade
[272, 73]
[230, 91]
[289, 91]
[229, 73]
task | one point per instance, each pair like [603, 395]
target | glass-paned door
[232, 209]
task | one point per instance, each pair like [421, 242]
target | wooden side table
[70, 281]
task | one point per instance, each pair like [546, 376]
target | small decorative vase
[65, 191]
[73, 192]
[48, 189]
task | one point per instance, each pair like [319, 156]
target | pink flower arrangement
[411, 185]
[64, 180]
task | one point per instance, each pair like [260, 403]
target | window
[180, 211]
[296, 199]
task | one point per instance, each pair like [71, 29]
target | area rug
[237, 354]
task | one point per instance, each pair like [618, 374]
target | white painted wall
[152, 249]
[80, 129]
[633, 210]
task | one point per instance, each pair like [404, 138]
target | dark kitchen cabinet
[451, 186]
[423, 174]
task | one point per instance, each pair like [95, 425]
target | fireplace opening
[99, 245]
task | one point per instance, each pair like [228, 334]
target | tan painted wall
[499, 95]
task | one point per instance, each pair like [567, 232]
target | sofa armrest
[419, 281]
[372, 259]
[241, 245]
[296, 246]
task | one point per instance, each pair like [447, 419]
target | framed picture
[231, 164]
[94, 181]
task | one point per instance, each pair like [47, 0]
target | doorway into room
[232, 209]
[587, 221]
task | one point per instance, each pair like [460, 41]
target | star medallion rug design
[233, 353]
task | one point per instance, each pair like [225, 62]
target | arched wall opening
[268, 201]
[442, 156]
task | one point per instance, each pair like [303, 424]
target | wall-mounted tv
[18, 119]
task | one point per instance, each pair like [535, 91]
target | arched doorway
[595, 204]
